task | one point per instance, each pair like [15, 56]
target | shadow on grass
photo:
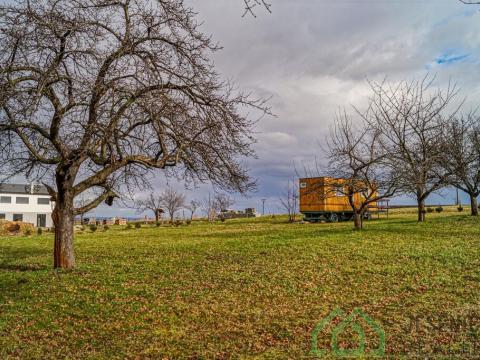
[22, 267]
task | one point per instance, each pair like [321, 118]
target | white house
[27, 203]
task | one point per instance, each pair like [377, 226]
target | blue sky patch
[447, 59]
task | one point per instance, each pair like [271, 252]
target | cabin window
[18, 217]
[22, 200]
[2, 216]
[5, 199]
[303, 185]
[43, 201]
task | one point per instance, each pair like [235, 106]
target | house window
[22, 200]
[2, 216]
[18, 217]
[43, 201]
[303, 185]
[5, 199]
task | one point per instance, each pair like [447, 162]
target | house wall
[29, 211]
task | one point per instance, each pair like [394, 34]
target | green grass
[244, 289]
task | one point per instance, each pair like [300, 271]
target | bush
[158, 223]
[39, 231]
[460, 208]
[129, 226]
[138, 225]
[93, 227]
[189, 222]
[106, 227]
[439, 209]
[15, 228]
[430, 210]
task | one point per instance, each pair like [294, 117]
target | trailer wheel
[333, 218]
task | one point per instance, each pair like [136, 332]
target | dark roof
[23, 189]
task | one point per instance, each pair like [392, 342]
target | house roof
[33, 189]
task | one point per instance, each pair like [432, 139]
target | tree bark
[474, 205]
[421, 209]
[357, 220]
[63, 219]
[157, 216]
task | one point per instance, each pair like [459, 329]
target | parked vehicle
[323, 199]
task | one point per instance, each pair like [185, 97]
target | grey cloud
[313, 56]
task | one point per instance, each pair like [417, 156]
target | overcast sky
[312, 57]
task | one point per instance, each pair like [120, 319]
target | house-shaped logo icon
[350, 322]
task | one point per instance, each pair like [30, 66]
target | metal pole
[263, 206]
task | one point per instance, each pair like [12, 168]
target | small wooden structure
[323, 198]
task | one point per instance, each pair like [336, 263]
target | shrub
[439, 209]
[13, 227]
[158, 223]
[106, 227]
[189, 222]
[129, 226]
[27, 231]
[178, 222]
[39, 231]
[138, 225]
[460, 208]
[430, 210]
[93, 227]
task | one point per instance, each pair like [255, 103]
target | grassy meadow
[244, 289]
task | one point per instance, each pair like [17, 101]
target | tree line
[171, 201]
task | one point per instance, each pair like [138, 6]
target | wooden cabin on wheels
[324, 199]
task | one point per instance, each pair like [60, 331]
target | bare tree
[208, 206]
[153, 203]
[461, 159]
[193, 207]
[359, 166]
[410, 116]
[221, 203]
[96, 94]
[289, 200]
[250, 5]
[172, 201]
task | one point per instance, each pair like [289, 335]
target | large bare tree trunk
[421, 210]
[357, 220]
[64, 220]
[474, 205]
